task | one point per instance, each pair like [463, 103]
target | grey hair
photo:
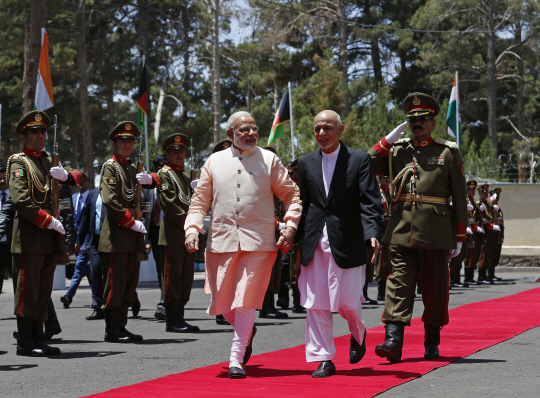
[231, 123]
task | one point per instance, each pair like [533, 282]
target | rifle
[59, 245]
[141, 247]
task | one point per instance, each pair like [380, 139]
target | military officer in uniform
[383, 266]
[177, 264]
[499, 220]
[122, 236]
[423, 229]
[33, 244]
[474, 234]
[491, 228]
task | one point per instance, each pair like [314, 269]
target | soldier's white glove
[456, 251]
[57, 226]
[139, 227]
[281, 226]
[480, 230]
[497, 228]
[482, 208]
[496, 207]
[470, 207]
[493, 197]
[469, 231]
[144, 178]
[397, 133]
[194, 183]
[59, 173]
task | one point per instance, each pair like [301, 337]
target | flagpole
[458, 132]
[146, 140]
[290, 109]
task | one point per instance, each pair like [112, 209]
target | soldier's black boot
[39, 340]
[297, 308]
[482, 278]
[393, 342]
[25, 343]
[52, 326]
[381, 291]
[491, 275]
[175, 320]
[432, 339]
[123, 322]
[368, 300]
[136, 307]
[161, 312]
[269, 310]
[112, 328]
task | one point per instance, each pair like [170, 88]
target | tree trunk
[491, 80]
[159, 108]
[110, 109]
[343, 55]
[216, 86]
[249, 94]
[523, 160]
[144, 16]
[376, 61]
[75, 149]
[35, 17]
[82, 71]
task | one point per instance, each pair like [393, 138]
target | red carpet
[285, 372]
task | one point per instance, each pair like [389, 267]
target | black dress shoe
[30, 350]
[47, 349]
[236, 373]
[220, 320]
[161, 313]
[496, 278]
[273, 314]
[380, 298]
[66, 301]
[299, 310]
[49, 333]
[465, 284]
[370, 301]
[136, 307]
[357, 351]
[115, 336]
[249, 348]
[325, 369]
[16, 334]
[456, 284]
[134, 337]
[97, 314]
[181, 327]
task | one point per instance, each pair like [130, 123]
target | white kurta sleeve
[200, 202]
[287, 191]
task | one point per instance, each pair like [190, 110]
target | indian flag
[453, 118]
[44, 92]
[283, 115]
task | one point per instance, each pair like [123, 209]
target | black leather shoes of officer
[97, 314]
[357, 351]
[175, 319]
[269, 310]
[393, 342]
[66, 301]
[220, 320]
[112, 328]
[432, 339]
[39, 340]
[368, 300]
[161, 312]
[136, 307]
[325, 369]
[236, 371]
[25, 343]
[249, 348]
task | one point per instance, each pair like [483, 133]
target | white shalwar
[326, 288]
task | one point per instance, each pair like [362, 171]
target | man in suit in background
[5, 238]
[90, 223]
[341, 218]
[79, 201]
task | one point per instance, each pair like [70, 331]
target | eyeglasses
[247, 129]
[421, 119]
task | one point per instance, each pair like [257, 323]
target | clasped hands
[286, 239]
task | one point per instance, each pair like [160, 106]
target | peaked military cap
[472, 184]
[271, 149]
[222, 145]
[496, 190]
[419, 104]
[124, 129]
[483, 187]
[33, 120]
[175, 141]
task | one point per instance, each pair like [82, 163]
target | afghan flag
[142, 100]
[44, 91]
[282, 115]
[453, 118]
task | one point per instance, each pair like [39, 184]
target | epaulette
[165, 169]
[403, 141]
[449, 144]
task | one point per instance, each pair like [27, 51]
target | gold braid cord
[33, 180]
[127, 193]
[402, 176]
[186, 199]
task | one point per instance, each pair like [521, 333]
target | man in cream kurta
[238, 184]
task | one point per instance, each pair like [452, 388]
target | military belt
[407, 197]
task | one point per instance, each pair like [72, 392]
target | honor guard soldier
[383, 266]
[122, 236]
[456, 263]
[491, 228]
[423, 229]
[498, 220]
[34, 243]
[475, 234]
[177, 265]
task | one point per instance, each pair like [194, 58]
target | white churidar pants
[326, 288]
[242, 320]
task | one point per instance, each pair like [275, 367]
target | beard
[243, 146]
